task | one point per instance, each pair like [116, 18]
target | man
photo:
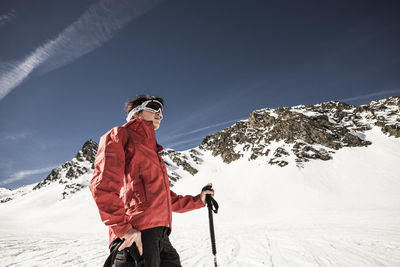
[131, 188]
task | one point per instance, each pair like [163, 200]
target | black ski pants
[157, 250]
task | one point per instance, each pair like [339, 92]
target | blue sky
[68, 67]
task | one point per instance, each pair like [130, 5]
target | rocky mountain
[282, 136]
[70, 172]
[5, 195]
[305, 132]
[72, 175]
[181, 163]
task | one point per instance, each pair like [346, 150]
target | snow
[308, 113]
[270, 112]
[4, 190]
[340, 212]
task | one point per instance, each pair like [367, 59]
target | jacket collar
[146, 129]
[135, 123]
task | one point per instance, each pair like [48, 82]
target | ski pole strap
[211, 202]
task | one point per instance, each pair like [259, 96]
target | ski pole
[212, 206]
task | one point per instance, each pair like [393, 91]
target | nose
[159, 115]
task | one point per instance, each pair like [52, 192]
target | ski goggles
[154, 106]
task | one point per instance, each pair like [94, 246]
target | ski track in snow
[51, 249]
[306, 245]
[237, 245]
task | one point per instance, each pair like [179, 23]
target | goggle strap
[132, 112]
[143, 107]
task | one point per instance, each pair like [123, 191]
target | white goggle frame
[144, 107]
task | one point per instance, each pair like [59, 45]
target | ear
[138, 115]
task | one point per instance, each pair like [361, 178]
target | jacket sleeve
[108, 179]
[185, 203]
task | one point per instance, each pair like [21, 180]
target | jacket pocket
[138, 192]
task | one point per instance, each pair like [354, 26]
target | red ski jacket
[130, 182]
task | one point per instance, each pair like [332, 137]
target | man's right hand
[133, 236]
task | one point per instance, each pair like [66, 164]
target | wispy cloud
[183, 142]
[96, 26]
[20, 175]
[368, 96]
[206, 128]
[181, 139]
[6, 137]
[5, 18]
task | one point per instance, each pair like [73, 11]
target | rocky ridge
[70, 173]
[305, 132]
[181, 163]
[76, 174]
[5, 195]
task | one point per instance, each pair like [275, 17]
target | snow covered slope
[339, 210]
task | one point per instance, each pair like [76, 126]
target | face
[150, 116]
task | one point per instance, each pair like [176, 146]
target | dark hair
[138, 100]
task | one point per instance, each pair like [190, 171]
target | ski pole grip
[207, 187]
[208, 196]
[211, 203]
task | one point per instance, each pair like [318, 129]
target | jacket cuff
[198, 202]
[121, 230]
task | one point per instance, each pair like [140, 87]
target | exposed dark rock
[173, 177]
[280, 163]
[392, 129]
[88, 151]
[196, 156]
[177, 162]
[278, 157]
[6, 200]
[53, 176]
[180, 160]
[71, 189]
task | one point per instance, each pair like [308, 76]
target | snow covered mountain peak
[303, 132]
[71, 172]
[88, 151]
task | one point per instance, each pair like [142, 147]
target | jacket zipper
[142, 181]
[166, 189]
